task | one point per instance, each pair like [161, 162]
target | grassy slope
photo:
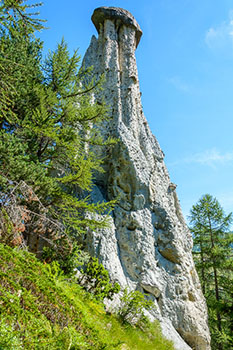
[40, 310]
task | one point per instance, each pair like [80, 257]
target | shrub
[133, 305]
[95, 278]
[67, 254]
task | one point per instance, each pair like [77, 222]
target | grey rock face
[148, 245]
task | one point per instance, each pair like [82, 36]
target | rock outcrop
[148, 245]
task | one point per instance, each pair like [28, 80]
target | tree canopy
[48, 120]
[213, 255]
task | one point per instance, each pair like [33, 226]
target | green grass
[41, 310]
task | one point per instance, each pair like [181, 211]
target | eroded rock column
[148, 246]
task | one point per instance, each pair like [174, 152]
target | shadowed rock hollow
[148, 245]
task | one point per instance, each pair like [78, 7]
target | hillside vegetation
[41, 308]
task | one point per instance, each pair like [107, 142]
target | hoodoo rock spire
[119, 15]
[148, 246]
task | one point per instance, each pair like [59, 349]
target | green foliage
[9, 337]
[97, 281]
[18, 12]
[213, 251]
[67, 259]
[42, 309]
[48, 127]
[6, 228]
[133, 305]
[16, 27]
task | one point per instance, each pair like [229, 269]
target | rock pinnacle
[118, 14]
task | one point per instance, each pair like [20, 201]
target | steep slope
[148, 246]
[44, 311]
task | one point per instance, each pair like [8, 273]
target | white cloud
[211, 157]
[179, 84]
[221, 37]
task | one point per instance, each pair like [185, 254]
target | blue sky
[185, 64]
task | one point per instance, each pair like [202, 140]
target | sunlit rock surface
[148, 245]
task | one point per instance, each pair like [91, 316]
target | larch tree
[213, 255]
[48, 122]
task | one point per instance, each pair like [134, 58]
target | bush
[95, 278]
[133, 305]
[67, 254]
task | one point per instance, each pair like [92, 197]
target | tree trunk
[202, 269]
[219, 321]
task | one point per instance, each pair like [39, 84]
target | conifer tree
[213, 254]
[48, 122]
